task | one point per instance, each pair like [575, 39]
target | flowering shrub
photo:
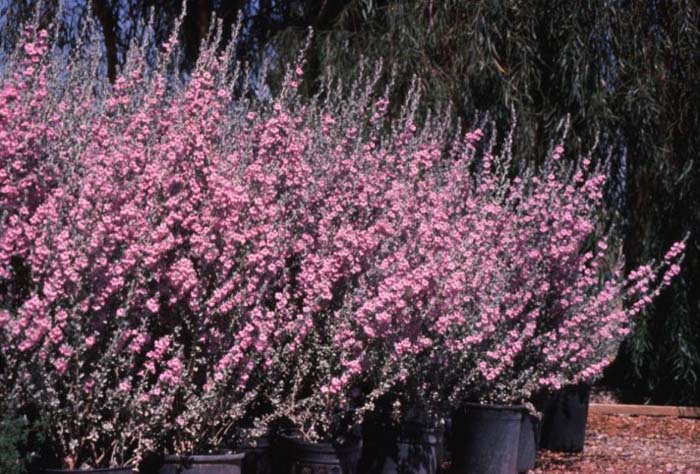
[489, 285]
[178, 258]
[499, 286]
[120, 249]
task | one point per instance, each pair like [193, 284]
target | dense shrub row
[183, 263]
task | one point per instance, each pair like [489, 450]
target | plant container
[258, 456]
[564, 418]
[106, 470]
[205, 464]
[319, 458]
[527, 443]
[411, 448]
[485, 439]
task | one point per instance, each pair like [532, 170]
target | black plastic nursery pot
[564, 418]
[485, 439]
[412, 448]
[107, 470]
[205, 464]
[318, 458]
[258, 456]
[527, 443]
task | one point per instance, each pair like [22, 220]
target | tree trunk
[105, 15]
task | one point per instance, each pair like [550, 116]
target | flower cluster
[177, 258]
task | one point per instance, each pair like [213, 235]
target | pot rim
[105, 470]
[208, 458]
[492, 406]
[347, 445]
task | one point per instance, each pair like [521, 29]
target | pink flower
[61, 365]
[152, 305]
[65, 350]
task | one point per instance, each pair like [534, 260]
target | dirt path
[631, 444]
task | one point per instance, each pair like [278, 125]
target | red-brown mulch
[631, 444]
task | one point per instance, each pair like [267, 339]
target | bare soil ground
[631, 444]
